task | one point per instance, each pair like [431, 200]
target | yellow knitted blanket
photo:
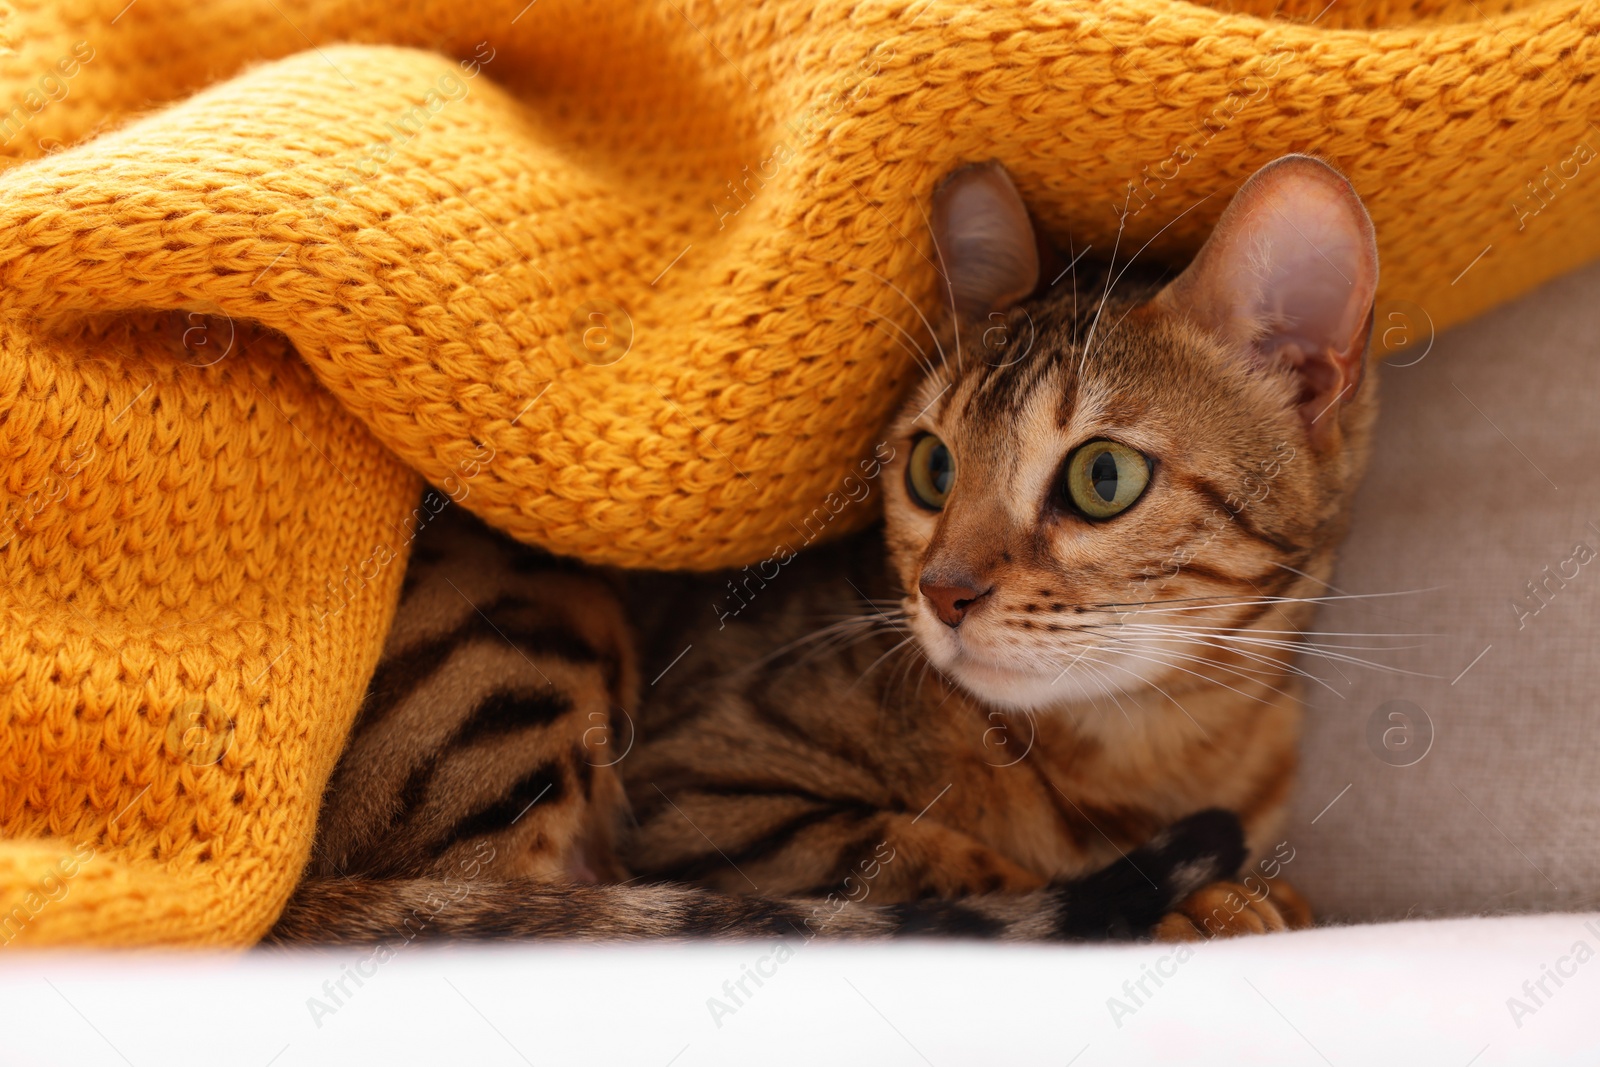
[633, 280]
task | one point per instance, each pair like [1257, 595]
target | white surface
[1410, 993]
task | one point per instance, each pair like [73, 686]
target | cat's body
[479, 791]
[1038, 683]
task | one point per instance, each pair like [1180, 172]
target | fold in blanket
[637, 282]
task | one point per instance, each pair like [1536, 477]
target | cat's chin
[1013, 688]
[1017, 691]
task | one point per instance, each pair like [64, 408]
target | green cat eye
[931, 471]
[1104, 478]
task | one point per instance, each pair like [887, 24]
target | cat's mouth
[1014, 674]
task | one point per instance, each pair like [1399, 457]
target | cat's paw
[1231, 909]
[1131, 897]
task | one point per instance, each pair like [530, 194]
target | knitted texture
[635, 281]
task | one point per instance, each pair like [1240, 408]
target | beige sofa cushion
[1484, 475]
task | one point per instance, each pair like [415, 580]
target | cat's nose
[953, 597]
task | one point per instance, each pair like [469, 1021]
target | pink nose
[952, 598]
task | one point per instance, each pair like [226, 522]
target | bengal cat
[1061, 700]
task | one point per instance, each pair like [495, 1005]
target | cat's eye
[1104, 478]
[931, 471]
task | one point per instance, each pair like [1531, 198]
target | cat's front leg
[1231, 909]
[938, 881]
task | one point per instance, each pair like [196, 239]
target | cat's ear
[1289, 276]
[985, 241]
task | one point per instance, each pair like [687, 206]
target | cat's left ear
[1288, 277]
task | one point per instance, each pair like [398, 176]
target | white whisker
[871, 666]
[1147, 244]
[1245, 634]
[1313, 648]
[932, 333]
[1110, 270]
[1145, 681]
[1202, 677]
[1259, 630]
[1277, 666]
[1144, 605]
[835, 636]
[950, 289]
[920, 357]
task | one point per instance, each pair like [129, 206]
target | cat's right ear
[985, 241]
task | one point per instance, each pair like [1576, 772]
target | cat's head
[1091, 486]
